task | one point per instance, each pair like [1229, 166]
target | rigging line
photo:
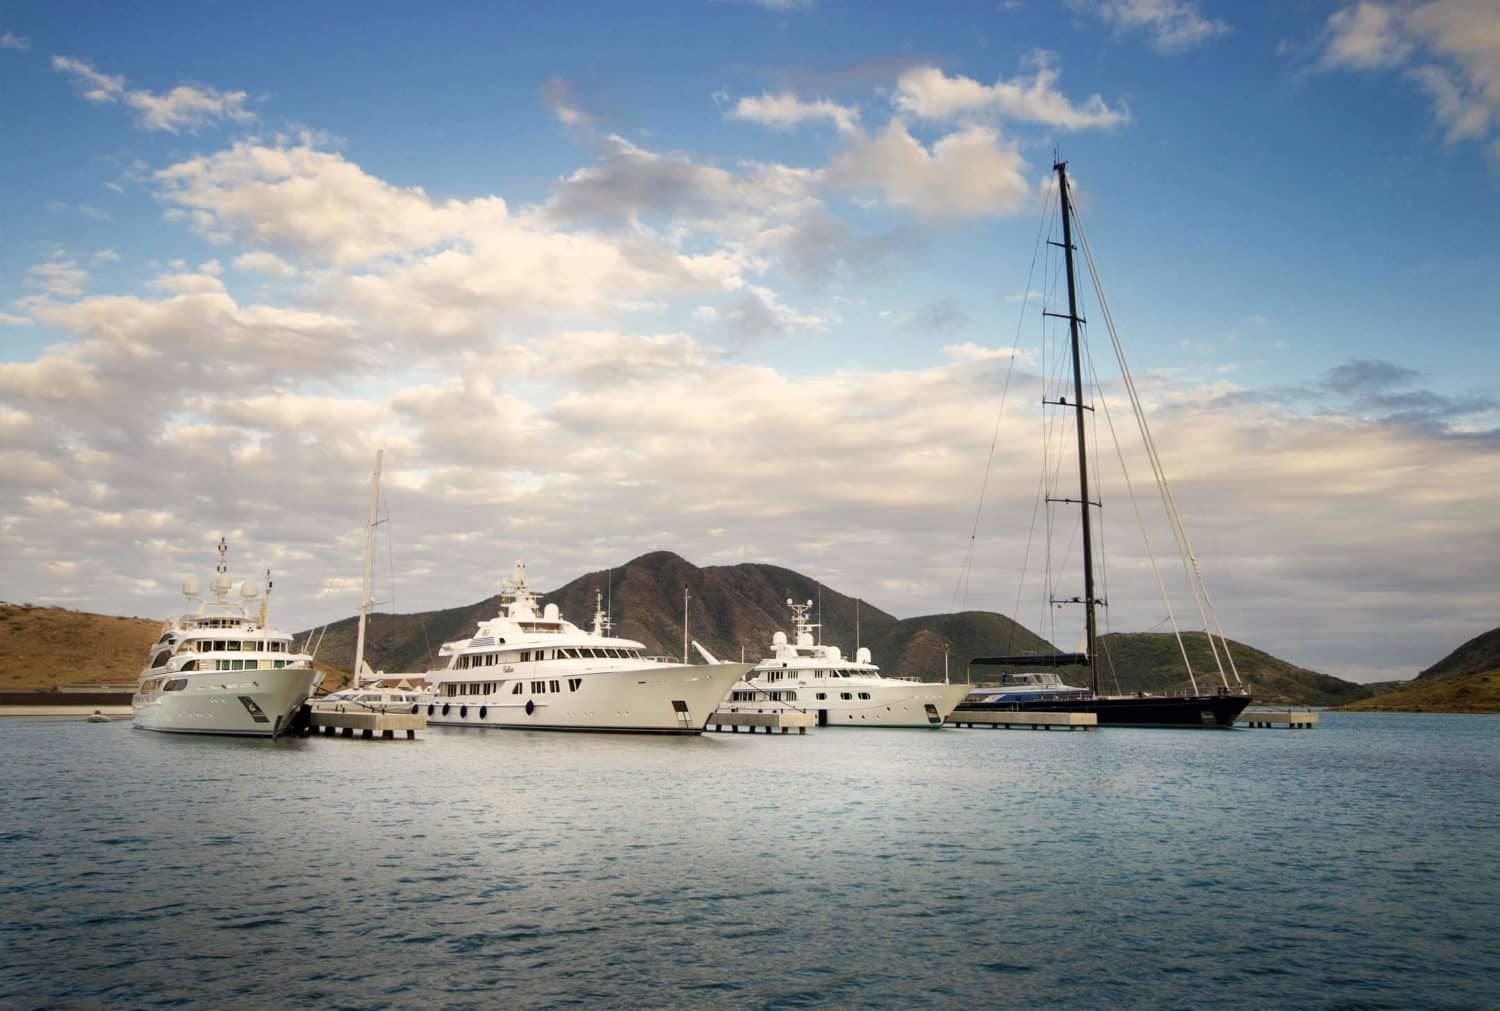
[961, 591]
[1141, 522]
[1194, 573]
[1102, 554]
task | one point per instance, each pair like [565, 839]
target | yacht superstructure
[530, 668]
[802, 673]
[219, 669]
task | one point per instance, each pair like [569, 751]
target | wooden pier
[1274, 718]
[366, 723]
[1023, 720]
[782, 720]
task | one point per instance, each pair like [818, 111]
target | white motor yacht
[804, 674]
[219, 669]
[529, 668]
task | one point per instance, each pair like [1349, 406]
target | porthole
[484, 711]
[463, 712]
[430, 708]
[446, 706]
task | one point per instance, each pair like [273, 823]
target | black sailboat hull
[1196, 711]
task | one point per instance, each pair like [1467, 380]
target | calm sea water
[1352, 866]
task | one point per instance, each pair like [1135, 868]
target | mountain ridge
[734, 610]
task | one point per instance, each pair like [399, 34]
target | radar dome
[805, 639]
[190, 587]
[863, 655]
[779, 639]
[248, 590]
[834, 654]
[550, 612]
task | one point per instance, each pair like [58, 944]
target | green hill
[1152, 661]
[1476, 692]
[1479, 654]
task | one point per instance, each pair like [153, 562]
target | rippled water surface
[1352, 866]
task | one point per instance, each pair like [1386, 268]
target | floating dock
[783, 720]
[1023, 720]
[1272, 718]
[367, 723]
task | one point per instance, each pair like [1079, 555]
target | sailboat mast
[1078, 409]
[366, 599]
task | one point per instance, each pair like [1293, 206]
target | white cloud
[928, 93]
[558, 96]
[7, 319]
[1173, 25]
[264, 263]
[185, 107]
[9, 40]
[967, 173]
[1449, 48]
[61, 277]
[1365, 36]
[785, 110]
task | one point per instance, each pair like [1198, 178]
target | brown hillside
[42, 647]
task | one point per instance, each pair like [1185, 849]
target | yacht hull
[676, 699]
[258, 703]
[1214, 712]
[893, 703]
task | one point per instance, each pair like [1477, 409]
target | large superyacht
[804, 674]
[218, 669]
[529, 668]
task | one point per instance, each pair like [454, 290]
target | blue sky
[736, 280]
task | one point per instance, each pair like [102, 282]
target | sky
[755, 282]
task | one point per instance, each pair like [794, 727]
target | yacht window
[175, 685]
[790, 696]
[574, 683]
[161, 658]
[864, 695]
[821, 696]
[233, 645]
[517, 689]
[555, 686]
[525, 656]
[845, 695]
[538, 687]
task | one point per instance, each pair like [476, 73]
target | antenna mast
[1078, 409]
[366, 598]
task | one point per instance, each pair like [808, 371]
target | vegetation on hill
[1477, 692]
[1479, 654]
[43, 647]
[1152, 661]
